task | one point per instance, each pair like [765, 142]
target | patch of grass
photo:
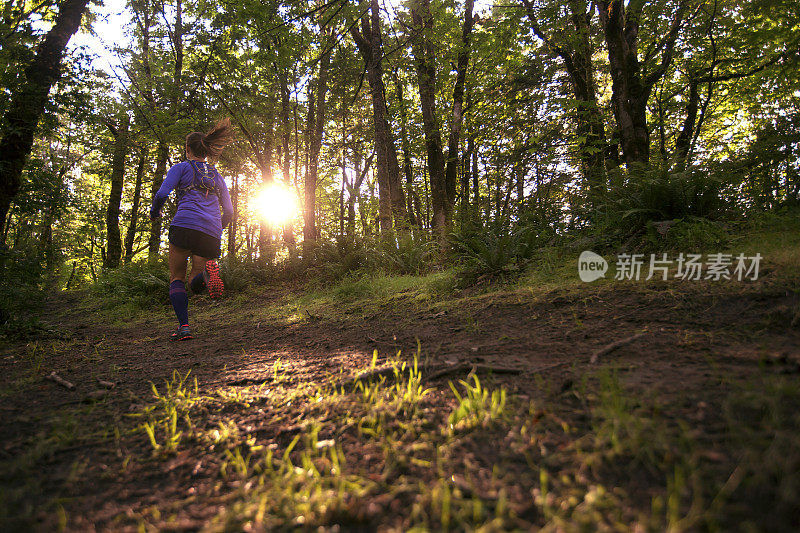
[477, 407]
[763, 434]
[174, 404]
[26, 493]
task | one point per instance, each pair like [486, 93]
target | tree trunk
[520, 171]
[425, 62]
[632, 82]
[115, 197]
[406, 147]
[288, 227]
[684, 140]
[154, 242]
[162, 153]
[234, 218]
[264, 157]
[28, 103]
[576, 53]
[466, 174]
[391, 198]
[451, 170]
[130, 236]
[316, 125]
[476, 190]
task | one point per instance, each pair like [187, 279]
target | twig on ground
[96, 395]
[368, 376]
[376, 341]
[61, 381]
[247, 381]
[472, 368]
[614, 345]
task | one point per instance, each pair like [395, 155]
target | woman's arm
[170, 182]
[225, 202]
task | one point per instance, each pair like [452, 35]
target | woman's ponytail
[211, 143]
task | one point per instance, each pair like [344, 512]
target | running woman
[196, 229]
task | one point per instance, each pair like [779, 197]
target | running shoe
[183, 333]
[213, 281]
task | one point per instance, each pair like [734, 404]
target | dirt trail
[693, 333]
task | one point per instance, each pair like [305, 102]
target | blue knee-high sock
[198, 283]
[180, 301]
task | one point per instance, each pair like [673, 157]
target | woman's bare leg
[198, 265]
[177, 263]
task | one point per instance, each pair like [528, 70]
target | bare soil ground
[690, 427]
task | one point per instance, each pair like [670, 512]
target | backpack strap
[206, 183]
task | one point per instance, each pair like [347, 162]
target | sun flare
[276, 203]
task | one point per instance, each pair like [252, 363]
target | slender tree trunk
[466, 175]
[310, 183]
[425, 62]
[576, 52]
[341, 200]
[154, 242]
[28, 103]
[391, 198]
[476, 190]
[405, 145]
[316, 126]
[288, 228]
[451, 170]
[130, 236]
[115, 197]
[683, 142]
[162, 152]
[234, 223]
[265, 231]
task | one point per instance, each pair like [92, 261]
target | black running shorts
[199, 243]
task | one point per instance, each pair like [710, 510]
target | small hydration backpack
[202, 180]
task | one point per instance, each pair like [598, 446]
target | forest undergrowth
[458, 399]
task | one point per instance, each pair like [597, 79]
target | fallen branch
[376, 341]
[614, 345]
[368, 376]
[472, 369]
[61, 381]
[248, 381]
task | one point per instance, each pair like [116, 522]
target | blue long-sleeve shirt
[196, 210]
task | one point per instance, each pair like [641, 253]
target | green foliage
[338, 260]
[690, 234]
[763, 424]
[478, 407]
[139, 284]
[161, 424]
[656, 194]
[496, 251]
[22, 280]
[239, 275]
[410, 256]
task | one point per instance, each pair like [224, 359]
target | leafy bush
[238, 275]
[640, 196]
[691, 234]
[409, 257]
[497, 251]
[139, 283]
[337, 260]
[21, 277]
